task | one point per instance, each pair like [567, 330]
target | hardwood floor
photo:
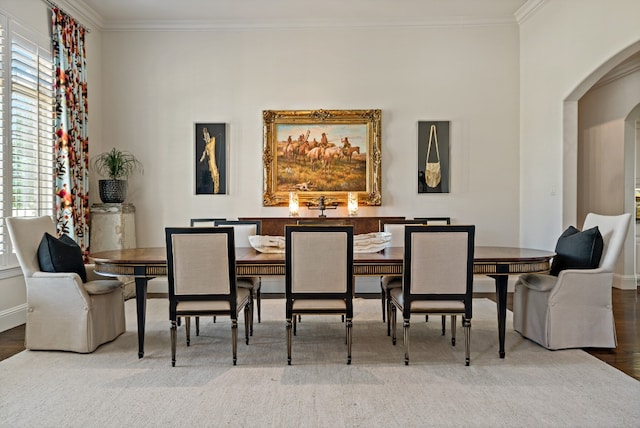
[626, 357]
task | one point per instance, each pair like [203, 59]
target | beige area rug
[113, 388]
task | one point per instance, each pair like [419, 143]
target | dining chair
[318, 275]
[158, 287]
[396, 228]
[69, 307]
[243, 229]
[574, 308]
[437, 280]
[202, 280]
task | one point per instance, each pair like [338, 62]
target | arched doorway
[621, 130]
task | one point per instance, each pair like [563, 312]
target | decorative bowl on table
[363, 243]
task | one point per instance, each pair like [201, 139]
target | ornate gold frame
[371, 119]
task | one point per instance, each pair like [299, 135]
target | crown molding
[203, 25]
[81, 10]
[83, 13]
[528, 9]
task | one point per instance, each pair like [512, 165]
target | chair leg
[389, 308]
[467, 341]
[248, 320]
[187, 329]
[259, 302]
[453, 329]
[174, 334]
[234, 339]
[383, 299]
[295, 325]
[197, 326]
[444, 324]
[214, 318]
[405, 324]
[289, 338]
[392, 316]
[349, 325]
[251, 300]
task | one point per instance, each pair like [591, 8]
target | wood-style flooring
[626, 357]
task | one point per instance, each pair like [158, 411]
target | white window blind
[3, 118]
[27, 155]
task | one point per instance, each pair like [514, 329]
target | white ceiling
[120, 14]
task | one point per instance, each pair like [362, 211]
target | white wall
[156, 85]
[561, 45]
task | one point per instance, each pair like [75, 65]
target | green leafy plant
[116, 164]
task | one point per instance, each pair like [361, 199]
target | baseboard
[13, 317]
[625, 282]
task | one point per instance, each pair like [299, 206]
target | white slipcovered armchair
[574, 309]
[63, 313]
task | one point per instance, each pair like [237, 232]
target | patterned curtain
[71, 129]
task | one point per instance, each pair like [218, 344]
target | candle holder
[352, 204]
[293, 204]
[322, 206]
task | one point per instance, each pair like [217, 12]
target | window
[26, 129]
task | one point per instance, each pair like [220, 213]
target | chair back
[439, 264]
[396, 229]
[26, 234]
[200, 265]
[614, 232]
[319, 261]
[434, 220]
[242, 230]
[204, 222]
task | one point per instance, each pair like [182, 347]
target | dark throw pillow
[61, 255]
[577, 250]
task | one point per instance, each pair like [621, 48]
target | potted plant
[117, 165]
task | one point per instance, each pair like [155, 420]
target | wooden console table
[274, 226]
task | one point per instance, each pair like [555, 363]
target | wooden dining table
[495, 262]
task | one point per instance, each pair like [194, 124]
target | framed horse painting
[328, 153]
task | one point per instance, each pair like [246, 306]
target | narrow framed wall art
[434, 168]
[210, 158]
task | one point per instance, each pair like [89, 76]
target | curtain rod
[51, 3]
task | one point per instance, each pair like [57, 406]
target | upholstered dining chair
[438, 279]
[243, 229]
[396, 228]
[573, 309]
[63, 312]
[318, 275]
[158, 287]
[202, 280]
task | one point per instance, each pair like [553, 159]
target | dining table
[496, 262]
